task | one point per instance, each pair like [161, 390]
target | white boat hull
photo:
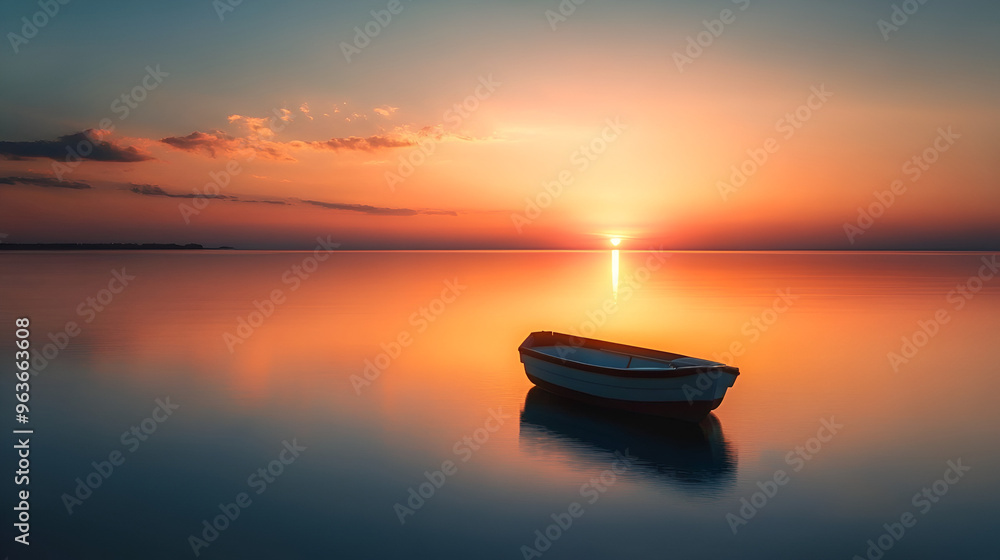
[686, 393]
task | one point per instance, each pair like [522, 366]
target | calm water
[453, 398]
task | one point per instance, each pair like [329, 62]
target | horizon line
[160, 247]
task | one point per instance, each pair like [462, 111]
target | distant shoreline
[105, 247]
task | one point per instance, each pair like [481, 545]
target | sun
[615, 241]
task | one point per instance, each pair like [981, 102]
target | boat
[625, 377]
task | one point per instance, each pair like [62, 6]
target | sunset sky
[305, 124]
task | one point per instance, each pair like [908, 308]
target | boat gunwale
[537, 338]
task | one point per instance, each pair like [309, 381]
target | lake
[229, 404]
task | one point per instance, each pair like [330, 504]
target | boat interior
[609, 358]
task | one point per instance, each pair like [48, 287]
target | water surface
[812, 334]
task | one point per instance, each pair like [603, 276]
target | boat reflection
[691, 457]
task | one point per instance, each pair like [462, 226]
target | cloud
[377, 210]
[262, 201]
[258, 138]
[210, 142]
[439, 212]
[49, 182]
[363, 208]
[146, 189]
[305, 110]
[367, 144]
[400, 137]
[385, 110]
[83, 145]
[153, 190]
[258, 126]
[215, 142]
[262, 130]
[264, 127]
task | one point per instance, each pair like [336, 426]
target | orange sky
[644, 149]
